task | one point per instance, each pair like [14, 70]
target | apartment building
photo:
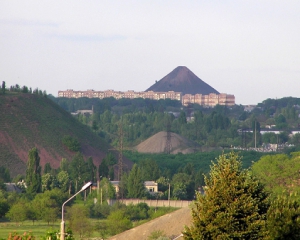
[209, 100]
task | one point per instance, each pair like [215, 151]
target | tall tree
[47, 168]
[3, 87]
[91, 169]
[33, 172]
[135, 184]
[79, 171]
[234, 205]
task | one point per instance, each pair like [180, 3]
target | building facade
[209, 100]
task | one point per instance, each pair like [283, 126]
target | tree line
[209, 127]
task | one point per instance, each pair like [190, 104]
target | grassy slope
[34, 121]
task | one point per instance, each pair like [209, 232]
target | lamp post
[169, 195]
[62, 224]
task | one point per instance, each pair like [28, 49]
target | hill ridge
[29, 120]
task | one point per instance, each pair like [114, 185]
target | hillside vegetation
[30, 120]
[209, 127]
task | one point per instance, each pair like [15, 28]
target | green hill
[29, 120]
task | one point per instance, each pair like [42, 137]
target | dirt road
[171, 224]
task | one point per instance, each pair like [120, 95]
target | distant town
[209, 100]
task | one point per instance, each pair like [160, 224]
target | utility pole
[120, 160]
[255, 136]
[168, 145]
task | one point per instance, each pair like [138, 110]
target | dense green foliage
[279, 173]
[170, 164]
[33, 172]
[210, 127]
[284, 219]
[71, 143]
[234, 205]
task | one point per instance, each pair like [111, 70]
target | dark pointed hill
[29, 120]
[181, 79]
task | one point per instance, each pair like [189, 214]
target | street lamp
[62, 224]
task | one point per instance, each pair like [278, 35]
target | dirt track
[171, 224]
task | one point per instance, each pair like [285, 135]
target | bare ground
[157, 144]
[171, 224]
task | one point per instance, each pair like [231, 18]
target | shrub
[71, 143]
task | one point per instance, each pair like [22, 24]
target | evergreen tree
[92, 169]
[33, 172]
[135, 184]
[47, 168]
[234, 205]
[283, 219]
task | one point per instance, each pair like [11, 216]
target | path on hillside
[172, 224]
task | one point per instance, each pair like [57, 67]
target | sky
[248, 48]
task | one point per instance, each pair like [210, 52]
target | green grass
[38, 230]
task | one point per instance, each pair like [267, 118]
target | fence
[153, 203]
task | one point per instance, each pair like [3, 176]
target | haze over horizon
[247, 48]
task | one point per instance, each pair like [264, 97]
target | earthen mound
[158, 144]
[181, 79]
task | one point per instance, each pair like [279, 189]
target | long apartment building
[209, 100]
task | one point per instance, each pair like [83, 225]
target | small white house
[151, 186]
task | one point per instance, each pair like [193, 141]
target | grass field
[39, 229]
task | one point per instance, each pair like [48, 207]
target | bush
[117, 222]
[71, 143]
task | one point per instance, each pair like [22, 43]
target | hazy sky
[247, 48]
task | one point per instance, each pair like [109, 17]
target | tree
[135, 184]
[234, 205]
[150, 170]
[79, 221]
[92, 169]
[64, 164]
[3, 87]
[117, 222]
[63, 180]
[4, 174]
[49, 182]
[4, 207]
[108, 190]
[47, 168]
[18, 212]
[79, 172]
[33, 172]
[46, 206]
[182, 186]
[71, 143]
[283, 219]
[106, 166]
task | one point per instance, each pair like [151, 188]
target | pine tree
[135, 184]
[283, 219]
[234, 205]
[33, 172]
